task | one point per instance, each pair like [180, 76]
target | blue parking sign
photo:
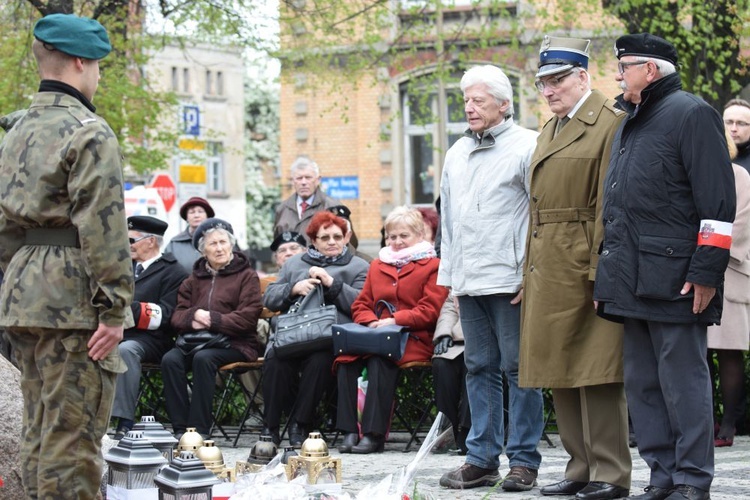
[191, 118]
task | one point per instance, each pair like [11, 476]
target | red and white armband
[150, 317]
[715, 233]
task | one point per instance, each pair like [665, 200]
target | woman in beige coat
[732, 337]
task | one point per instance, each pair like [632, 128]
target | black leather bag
[306, 327]
[192, 342]
[387, 341]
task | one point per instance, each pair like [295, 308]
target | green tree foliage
[707, 35]
[262, 154]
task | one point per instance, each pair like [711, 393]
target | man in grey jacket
[295, 213]
[485, 210]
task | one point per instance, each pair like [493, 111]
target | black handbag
[388, 341]
[305, 327]
[192, 342]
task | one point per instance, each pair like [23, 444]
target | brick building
[380, 130]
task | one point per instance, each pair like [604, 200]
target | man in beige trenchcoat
[564, 345]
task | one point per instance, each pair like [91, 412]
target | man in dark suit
[157, 279]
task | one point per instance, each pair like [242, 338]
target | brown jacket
[564, 344]
[232, 296]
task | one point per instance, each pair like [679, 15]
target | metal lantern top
[186, 473]
[134, 462]
[157, 435]
[190, 441]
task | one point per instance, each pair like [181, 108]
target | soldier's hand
[104, 339]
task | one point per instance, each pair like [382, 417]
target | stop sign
[166, 188]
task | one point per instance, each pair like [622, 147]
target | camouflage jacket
[61, 167]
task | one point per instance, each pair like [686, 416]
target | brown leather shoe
[520, 479]
[470, 476]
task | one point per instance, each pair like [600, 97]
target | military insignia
[707, 230]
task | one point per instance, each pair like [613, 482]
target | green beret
[76, 36]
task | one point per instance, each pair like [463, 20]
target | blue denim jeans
[491, 326]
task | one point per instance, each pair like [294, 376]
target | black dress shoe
[369, 444]
[350, 440]
[684, 491]
[564, 487]
[652, 493]
[598, 490]
[296, 435]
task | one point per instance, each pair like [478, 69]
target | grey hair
[202, 240]
[304, 163]
[663, 67]
[159, 239]
[498, 84]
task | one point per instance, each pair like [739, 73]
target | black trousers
[382, 378]
[184, 412]
[298, 383]
[449, 379]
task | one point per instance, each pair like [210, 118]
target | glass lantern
[157, 435]
[186, 478]
[133, 463]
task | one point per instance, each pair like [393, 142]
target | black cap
[645, 45]
[207, 224]
[288, 237]
[147, 224]
[341, 211]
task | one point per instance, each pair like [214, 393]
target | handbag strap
[308, 301]
[381, 305]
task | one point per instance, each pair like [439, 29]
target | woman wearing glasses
[329, 263]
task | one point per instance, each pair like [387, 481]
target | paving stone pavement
[732, 479]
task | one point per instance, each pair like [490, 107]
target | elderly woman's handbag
[305, 327]
[388, 341]
[192, 342]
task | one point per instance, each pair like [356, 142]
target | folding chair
[231, 381]
[415, 399]
[150, 393]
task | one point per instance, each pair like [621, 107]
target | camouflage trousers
[67, 403]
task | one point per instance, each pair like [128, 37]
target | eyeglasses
[622, 66]
[133, 241]
[741, 124]
[327, 238]
[552, 83]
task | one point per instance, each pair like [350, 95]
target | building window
[423, 154]
[175, 79]
[219, 83]
[215, 167]
[209, 83]
[185, 80]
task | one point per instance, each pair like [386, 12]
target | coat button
[670, 250]
[622, 151]
[614, 184]
[534, 199]
[531, 269]
[610, 219]
[605, 252]
[394, 283]
[534, 233]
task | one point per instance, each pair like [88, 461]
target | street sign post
[166, 188]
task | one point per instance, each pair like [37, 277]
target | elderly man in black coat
[157, 278]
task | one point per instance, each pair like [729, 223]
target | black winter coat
[669, 170]
[158, 285]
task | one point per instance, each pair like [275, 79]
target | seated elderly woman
[404, 275]
[222, 295]
[327, 262]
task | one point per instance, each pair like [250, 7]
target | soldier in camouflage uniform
[64, 251]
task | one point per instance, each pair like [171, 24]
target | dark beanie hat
[207, 224]
[645, 45]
